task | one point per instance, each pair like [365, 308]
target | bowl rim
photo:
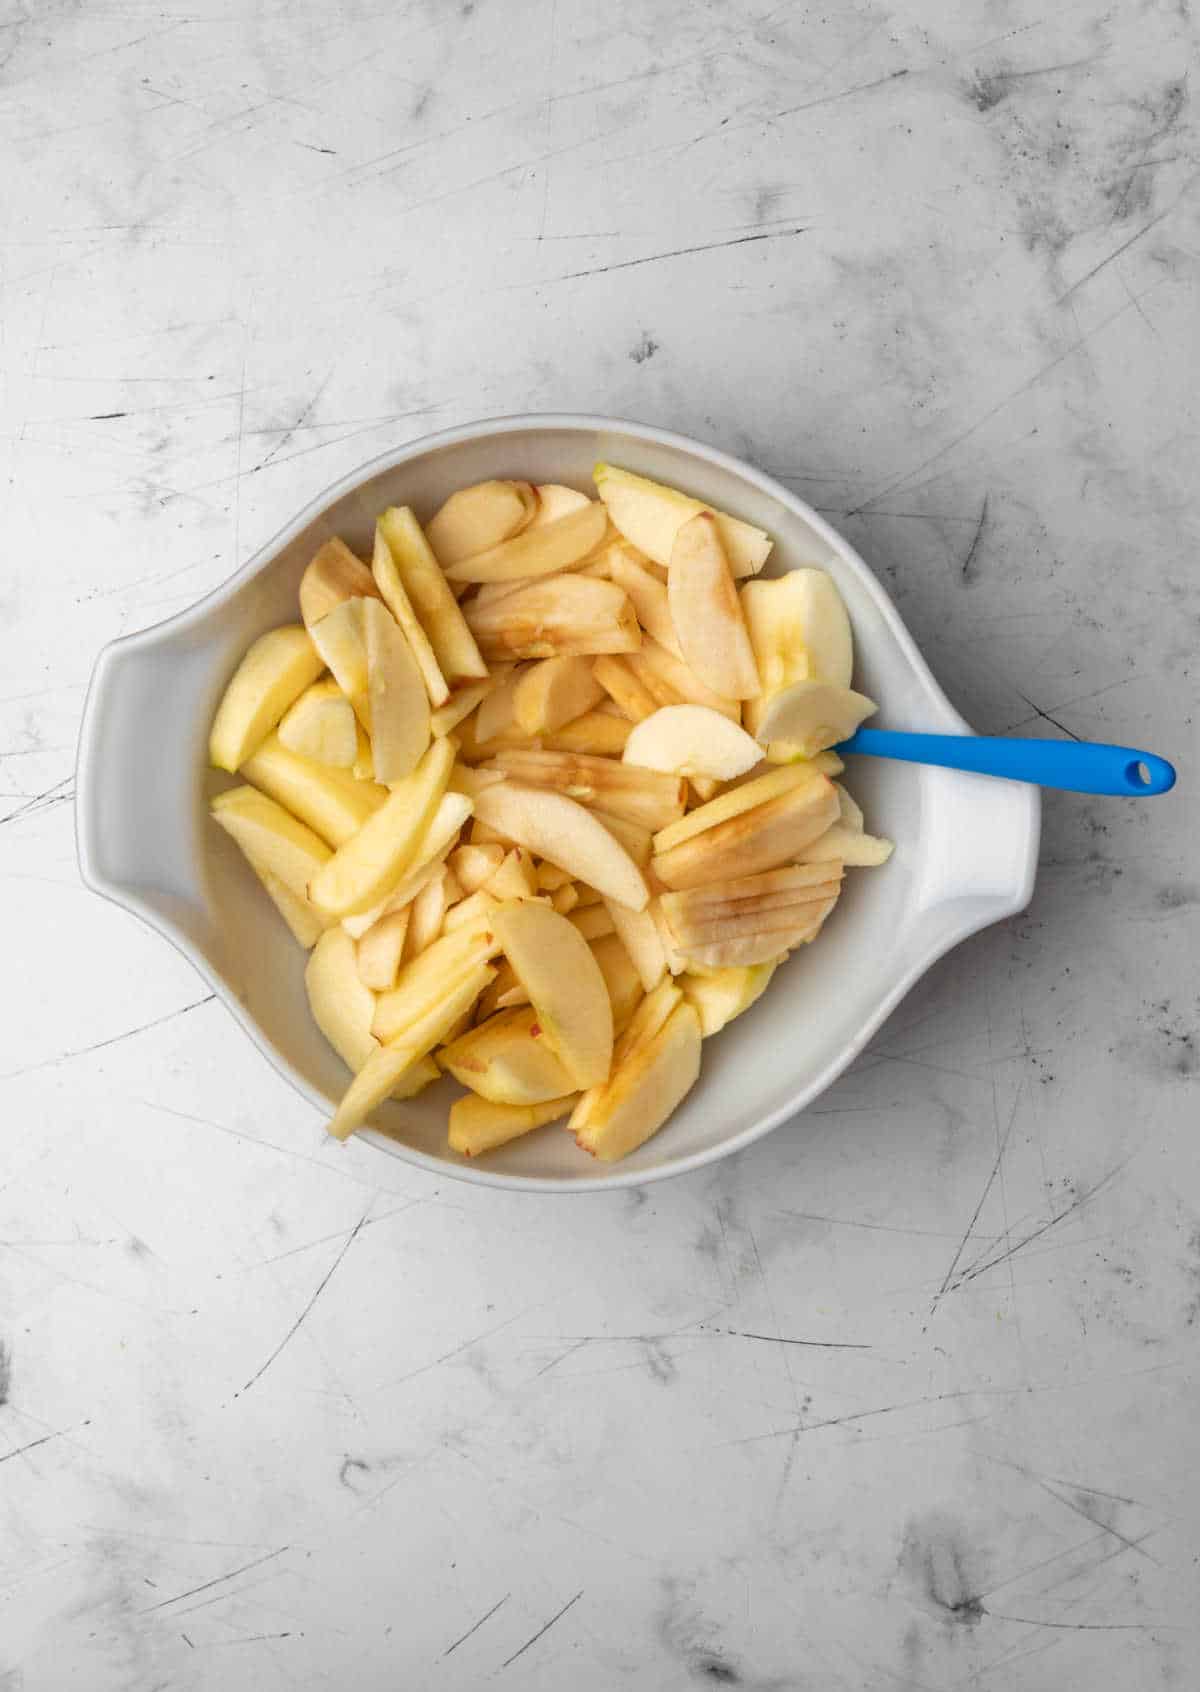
[508, 424]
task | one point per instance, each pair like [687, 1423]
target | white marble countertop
[906, 1395]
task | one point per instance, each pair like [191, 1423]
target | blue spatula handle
[1081, 766]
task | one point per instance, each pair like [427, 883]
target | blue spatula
[1078, 765]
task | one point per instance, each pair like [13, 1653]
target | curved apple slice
[813, 715]
[329, 800]
[692, 740]
[395, 597]
[554, 827]
[477, 1125]
[566, 987]
[707, 613]
[536, 551]
[275, 671]
[343, 1007]
[321, 725]
[613, 1120]
[553, 692]
[335, 574]
[271, 837]
[479, 517]
[555, 501]
[651, 515]
[849, 845]
[400, 729]
[508, 1059]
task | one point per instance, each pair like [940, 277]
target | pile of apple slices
[546, 791]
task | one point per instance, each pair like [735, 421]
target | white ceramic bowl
[966, 846]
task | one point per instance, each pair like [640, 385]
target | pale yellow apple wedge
[380, 950]
[426, 915]
[643, 1091]
[395, 596]
[813, 715]
[504, 992]
[553, 692]
[321, 725]
[558, 616]
[275, 671]
[496, 713]
[476, 518]
[720, 995]
[760, 839]
[555, 501]
[627, 691]
[624, 984]
[744, 796]
[565, 986]
[629, 569]
[373, 861]
[707, 614]
[329, 800]
[693, 741]
[538, 551]
[477, 910]
[335, 574]
[382, 1071]
[799, 629]
[272, 838]
[849, 846]
[592, 921]
[340, 640]
[400, 729]
[508, 1059]
[441, 833]
[305, 921]
[473, 865]
[565, 899]
[550, 878]
[723, 954]
[597, 732]
[557, 828]
[477, 1125]
[425, 981]
[459, 705]
[669, 681]
[454, 646]
[649, 798]
[343, 1008]
[515, 878]
[639, 935]
[651, 515]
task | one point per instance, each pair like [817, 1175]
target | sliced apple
[342, 1007]
[496, 712]
[335, 574]
[720, 995]
[305, 921]
[477, 1125]
[643, 1091]
[651, 515]
[555, 501]
[399, 704]
[459, 705]
[538, 551]
[553, 692]
[372, 862]
[750, 949]
[429, 593]
[555, 827]
[363, 768]
[565, 899]
[596, 732]
[382, 1071]
[559, 616]
[380, 950]
[504, 992]
[631, 570]
[693, 741]
[849, 845]
[550, 878]
[669, 681]
[275, 671]
[758, 839]
[427, 913]
[508, 1059]
[800, 629]
[272, 838]
[743, 796]
[592, 921]
[321, 725]
[423, 983]
[616, 676]
[453, 810]
[649, 798]
[473, 865]
[638, 934]
[813, 715]
[636, 839]
[476, 910]
[515, 878]
[620, 977]
[565, 986]
[706, 611]
[329, 800]
[339, 639]
[479, 517]
[395, 596]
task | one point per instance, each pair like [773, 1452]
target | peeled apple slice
[555, 501]
[569, 835]
[538, 551]
[275, 671]
[707, 613]
[565, 984]
[399, 704]
[321, 725]
[651, 515]
[692, 740]
[329, 800]
[477, 1125]
[479, 517]
[643, 1091]
[335, 574]
[800, 629]
[342, 1007]
[812, 715]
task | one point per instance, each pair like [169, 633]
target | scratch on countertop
[487, 1616]
[559, 1614]
[113, 1040]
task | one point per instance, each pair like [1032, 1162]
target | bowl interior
[820, 1005]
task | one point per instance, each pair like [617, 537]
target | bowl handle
[133, 800]
[980, 837]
